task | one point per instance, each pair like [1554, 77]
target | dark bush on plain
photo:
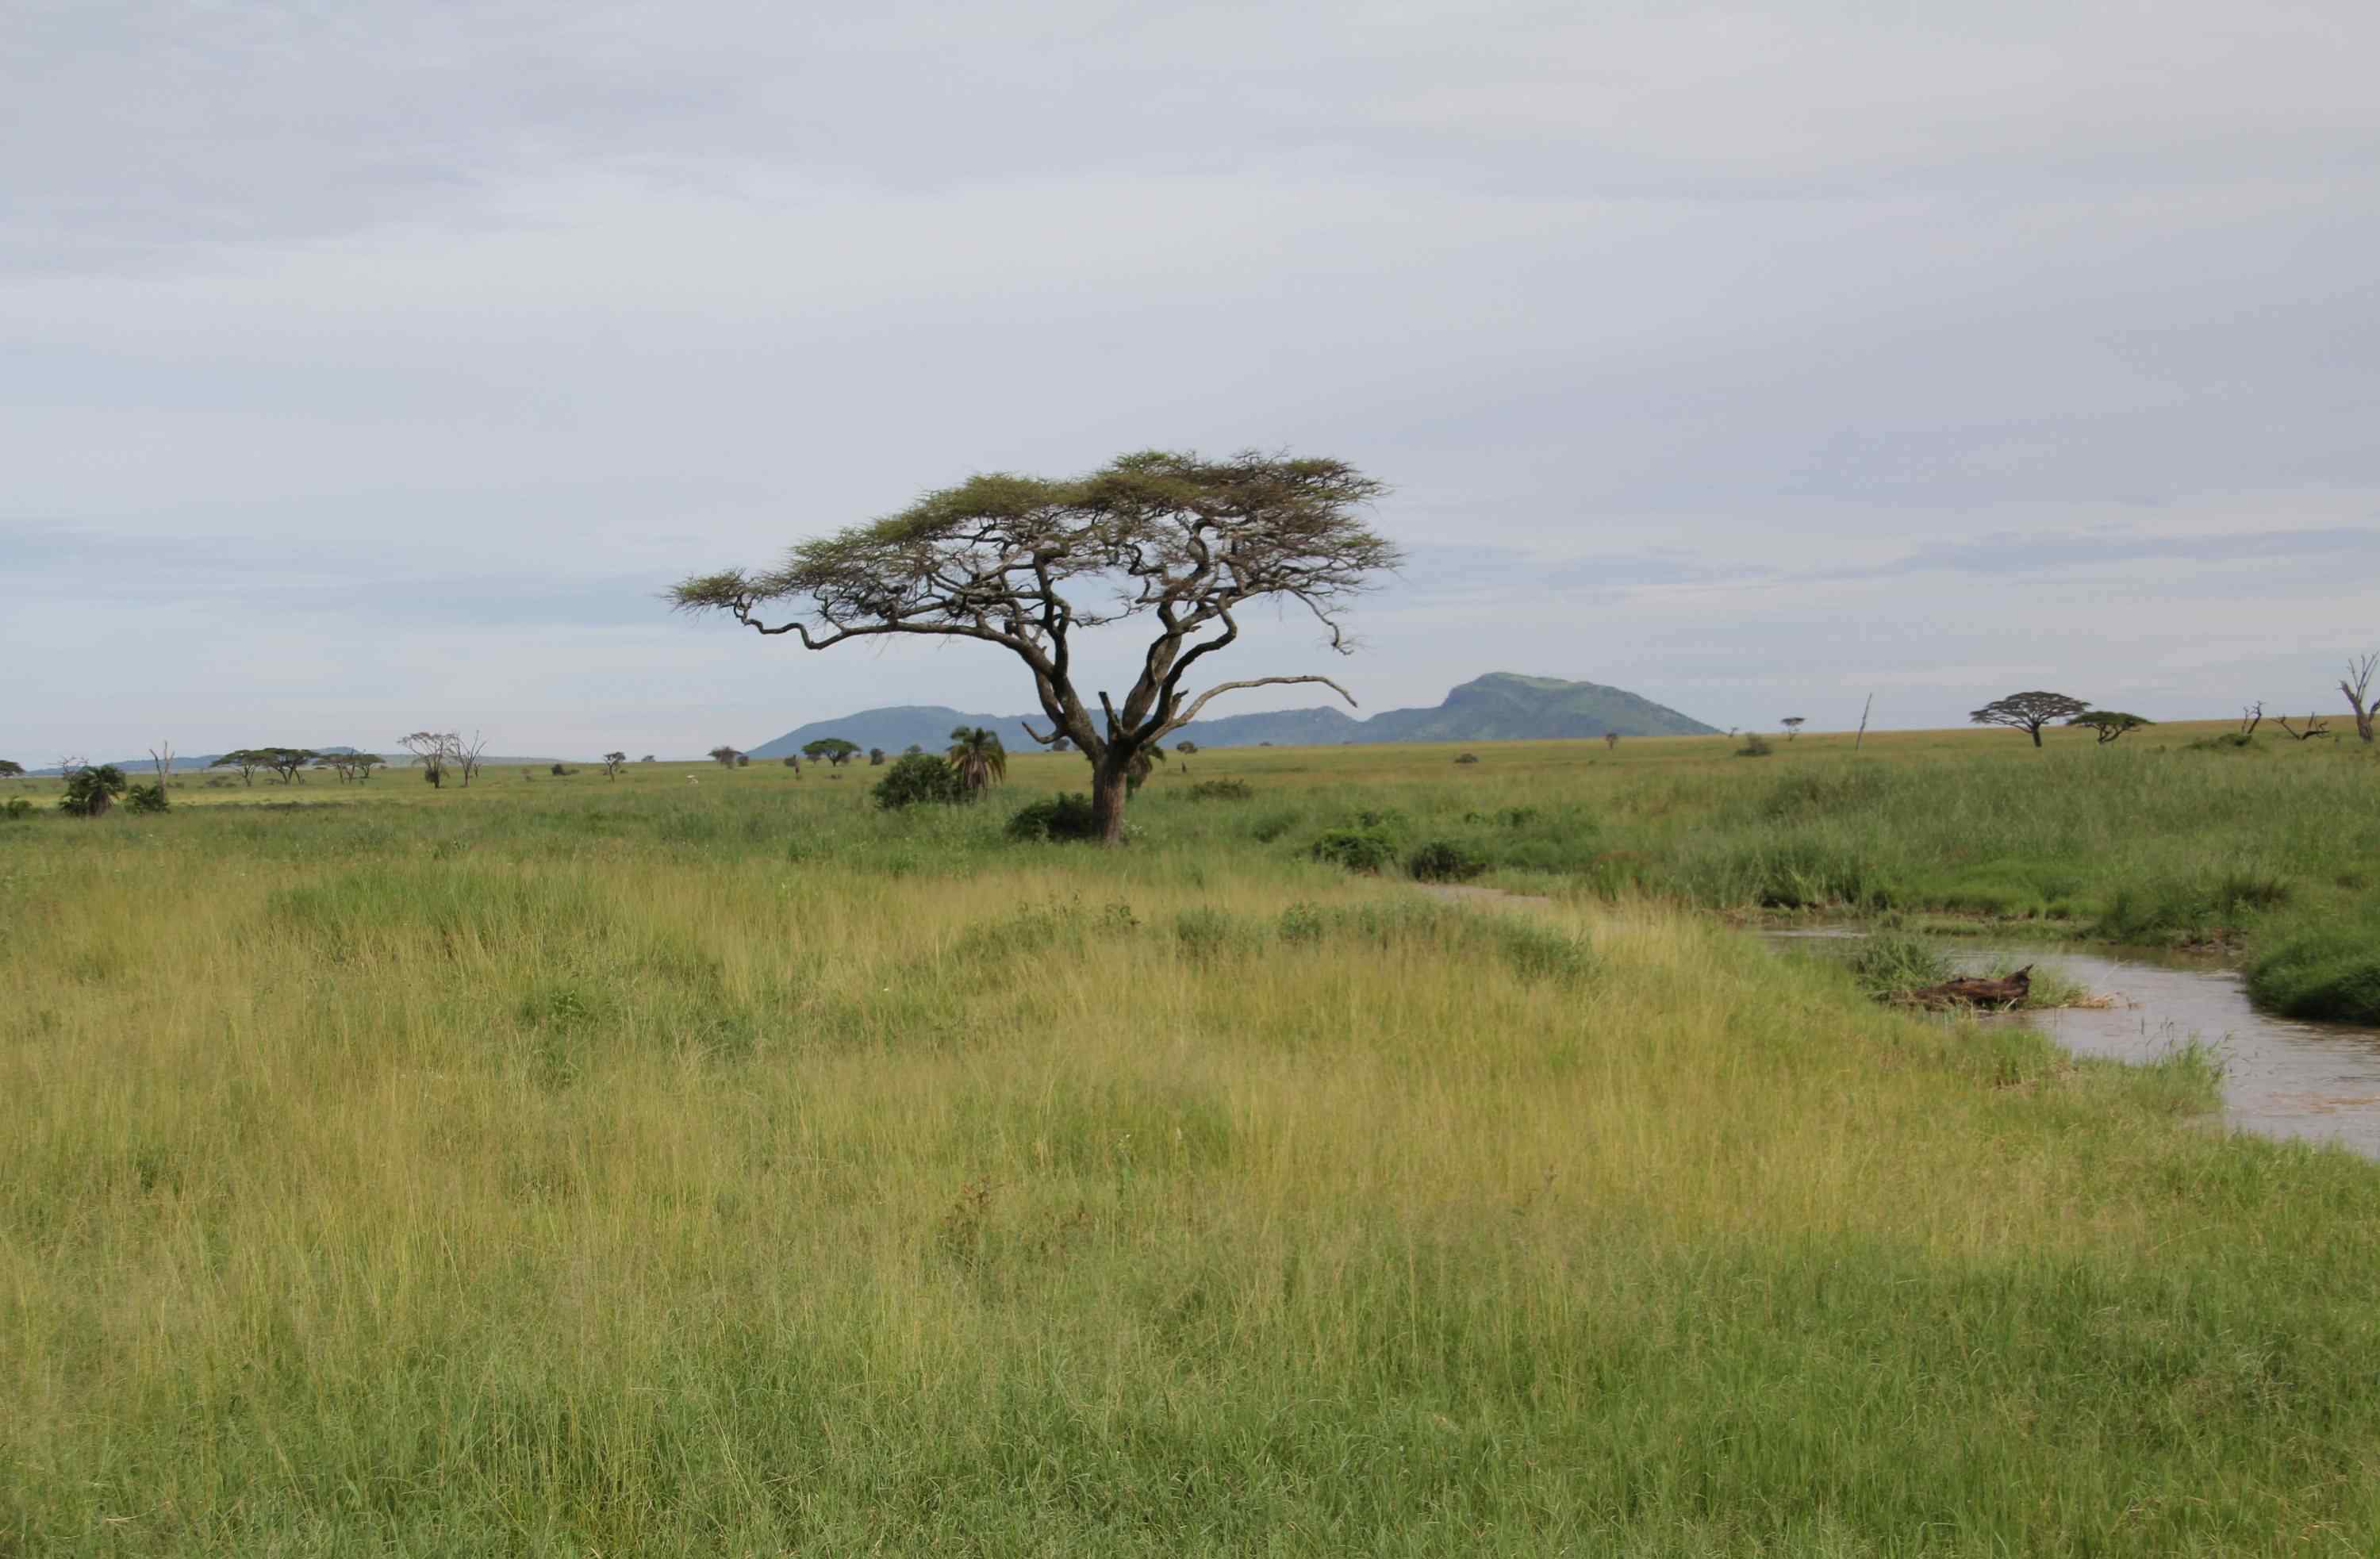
[146, 798]
[919, 779]
[91, 792]
[1441, 860]
[1057, 820]
[1220, 790]
[1468, 758]
[1357, 850]
[1755, 745]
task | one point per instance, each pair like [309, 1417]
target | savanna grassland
[572, 1166]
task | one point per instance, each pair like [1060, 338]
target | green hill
[1500, 706]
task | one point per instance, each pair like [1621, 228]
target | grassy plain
[566, 1166]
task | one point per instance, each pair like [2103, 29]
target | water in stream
[2282, 1077]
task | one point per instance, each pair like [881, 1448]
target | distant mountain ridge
[1500, 706]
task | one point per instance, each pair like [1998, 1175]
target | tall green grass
[577, 1167]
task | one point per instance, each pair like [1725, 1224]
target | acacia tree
[2357, 686]
[2109, 723]
[2029, 712]
[834, 749]
[612, 762]
[1027, 563]
[466, 756]
[245, 760]
[1793, 723]
[11, 769]
[724, 755]
[433, 750]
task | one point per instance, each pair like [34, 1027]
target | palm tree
[977, 754]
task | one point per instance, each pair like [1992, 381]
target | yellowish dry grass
[497, 1172]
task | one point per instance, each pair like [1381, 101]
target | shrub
[1357, 850]
[919, 779]
[1441, 860]
[1185, 748]
[1468, 758]
[560, 769]
[1890, 963]
[1755, 745]
[1272, 825]
[1220, 790]
[91, 792]
[1057, 820]
[2226, 741]
[17, 806]
[146, 798]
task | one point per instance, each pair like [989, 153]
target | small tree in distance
[2109, 723]
[875, 757]
[11, 769]
[433, 750]
[92, 791]
[611, 765]
[1611, 741]
[833, 750]
[2029, 712]
[1793, 723]
[978, 759]
[2357, 686]
[724, 755]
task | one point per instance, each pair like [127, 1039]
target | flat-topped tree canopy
[1024, 562]
[2029, 712]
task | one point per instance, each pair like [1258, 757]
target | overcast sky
[368, 367]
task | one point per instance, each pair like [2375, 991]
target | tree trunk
[2036, 736]
[1108, 789]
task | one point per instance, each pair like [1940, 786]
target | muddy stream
[2282, 1077]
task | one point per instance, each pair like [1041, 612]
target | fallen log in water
[1973, 991]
